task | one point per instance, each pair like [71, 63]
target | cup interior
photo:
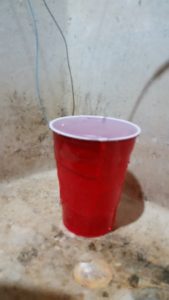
[95, 128]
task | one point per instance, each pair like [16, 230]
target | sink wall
[114, 48]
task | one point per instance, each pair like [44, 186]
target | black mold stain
[27, 254]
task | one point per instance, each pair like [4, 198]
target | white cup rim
[102, 139]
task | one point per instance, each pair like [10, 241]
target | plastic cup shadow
[131, 204]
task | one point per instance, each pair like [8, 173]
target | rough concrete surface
[38, 254]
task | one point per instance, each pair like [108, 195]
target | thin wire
[157, 74]
[67, 54]
[37, 85]
[139, 99]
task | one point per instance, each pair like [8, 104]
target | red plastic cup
[92, 154]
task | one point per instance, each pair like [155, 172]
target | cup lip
[100, 139]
